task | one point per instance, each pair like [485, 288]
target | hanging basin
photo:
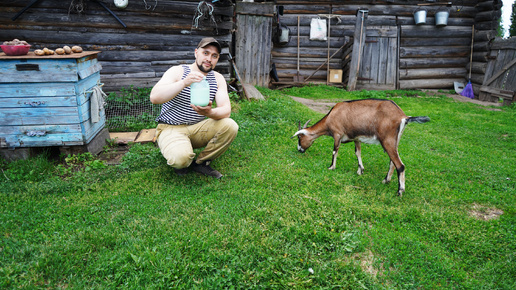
[284, 36]
[420, 17]
[441, 18]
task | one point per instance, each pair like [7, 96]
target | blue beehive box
[46, 100]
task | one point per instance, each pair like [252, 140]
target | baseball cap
[207, 41]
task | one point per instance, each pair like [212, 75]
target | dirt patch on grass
[367, 263]
[113, 156]
[485, 213]
[460, 98]
[321, 106]
[324, 106]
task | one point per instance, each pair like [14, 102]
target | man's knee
[229, 126]
[180, 161]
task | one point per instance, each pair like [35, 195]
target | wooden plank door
[379, 61]
[253, 44]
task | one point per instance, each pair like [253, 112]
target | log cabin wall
[429, 56]
[158, 34]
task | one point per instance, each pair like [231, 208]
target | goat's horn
[297, 133]
[306, 124]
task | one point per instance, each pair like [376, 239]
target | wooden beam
[358, 46]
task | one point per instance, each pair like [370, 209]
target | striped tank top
[178, 111]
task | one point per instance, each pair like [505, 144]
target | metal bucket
[420, 17]
[441, 18]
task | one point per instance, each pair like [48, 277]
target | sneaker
[181, 171]
[204, 168]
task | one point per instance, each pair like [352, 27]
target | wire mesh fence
[130, 110]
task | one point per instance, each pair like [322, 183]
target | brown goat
[369, 121]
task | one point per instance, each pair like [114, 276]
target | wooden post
[358, 47]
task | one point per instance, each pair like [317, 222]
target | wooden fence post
[358, 47]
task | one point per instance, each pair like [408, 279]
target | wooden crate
[46, 100]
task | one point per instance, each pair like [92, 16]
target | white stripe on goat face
[299, 148]
[302, 136]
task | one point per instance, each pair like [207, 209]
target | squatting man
[182, 126]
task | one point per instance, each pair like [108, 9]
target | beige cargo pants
[177, 142]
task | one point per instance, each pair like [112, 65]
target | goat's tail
[418, 119]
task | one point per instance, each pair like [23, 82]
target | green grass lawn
[279, 219]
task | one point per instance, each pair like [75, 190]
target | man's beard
[201, 68]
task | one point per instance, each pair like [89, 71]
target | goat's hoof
[385, 181]
[400, 193]
[360, 171]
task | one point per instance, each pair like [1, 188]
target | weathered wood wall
[430, 56]
[162, 35]
[156, 37]
[253, 42]
[500, 76]
[486, 25]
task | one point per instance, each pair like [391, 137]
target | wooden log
[305, 9]
[162, 8]
[436, 73]
[481, 46]
[429, 83]
[480, 56]
[434, 51]
[305, 19]
[341, 20]
[485, 6]
[306, 44]
[435, 41]
[411, 31]
[477, 67]
[321, 74]
[149, 74]
[111, 40]
[437, 62]
[338, 31]
[292, 52]
[127, 68]
[144, 55]
[140, 22]
[371, 87]
[487, 15]
[487, 25]
[484, 35]
[292, 64]
[477, 78]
